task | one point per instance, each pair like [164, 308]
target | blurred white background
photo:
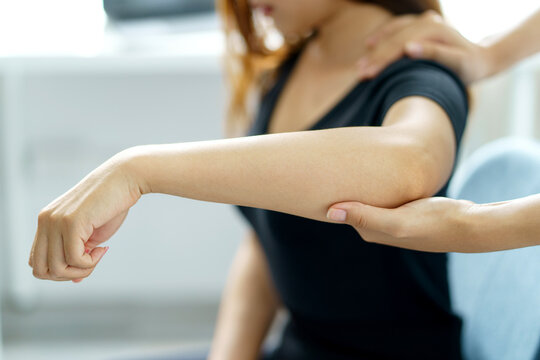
[74, 90]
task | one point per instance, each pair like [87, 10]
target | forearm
[517, 45]
[508, 225]
[248, 306]
[300, 173]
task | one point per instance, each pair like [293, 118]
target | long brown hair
[249, 61]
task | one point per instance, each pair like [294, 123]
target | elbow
[423, 173]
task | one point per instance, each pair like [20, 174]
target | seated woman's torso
[321, 86]
[349, 299]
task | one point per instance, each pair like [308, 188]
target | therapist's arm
[447, 225]
[516, 45]
[300, 173]
[428, 36]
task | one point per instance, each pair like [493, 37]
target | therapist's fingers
[441, 53]
[388, 44]
[366, 217]
[393, 26]
[401, 23]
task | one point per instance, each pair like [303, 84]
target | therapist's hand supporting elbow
[434, 224]
[446, 225]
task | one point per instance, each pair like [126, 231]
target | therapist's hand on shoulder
[425, 36]
[433, 224]
[71, 228]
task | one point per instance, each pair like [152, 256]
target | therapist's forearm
[507, 225]
[516, 45]
[300, 173]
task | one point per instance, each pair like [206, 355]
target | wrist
[497, 58]
[472, 222]
[130, 164]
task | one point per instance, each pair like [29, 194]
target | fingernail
[414, 49]
[337, 215]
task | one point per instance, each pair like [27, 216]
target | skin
[429, 37]
[440, 224]
[409, 157]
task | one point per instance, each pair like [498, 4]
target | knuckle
[44, 217]
[69, 219]
[40, 274]
[70, 258]
[429, 14]
[359, 222]
[433, 16]
[56, 271]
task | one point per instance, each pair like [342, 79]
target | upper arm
[426, 105]
[426, 127]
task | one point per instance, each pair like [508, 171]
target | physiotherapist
[442, 224]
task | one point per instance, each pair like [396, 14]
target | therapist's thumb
[363, 217]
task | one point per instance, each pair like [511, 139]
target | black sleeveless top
[349, 299]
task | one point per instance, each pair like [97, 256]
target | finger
[444, 54]
[30, 258]
[55, 256]
[374, 63]
[75, 251]
[59, 270]
[393, 48]
[365, 217]
[75, 273]
[389, 28]
[105, 232]
[39, 257]
[64, 272]
[83, 273]
[433, 16]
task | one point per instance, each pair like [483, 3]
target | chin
[293, 32]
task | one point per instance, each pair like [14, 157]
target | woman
[441, 224]
[319, 137]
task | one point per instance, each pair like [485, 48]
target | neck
[341, 38]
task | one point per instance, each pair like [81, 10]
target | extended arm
[303, 173]
[447, 225]
[300, 173]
